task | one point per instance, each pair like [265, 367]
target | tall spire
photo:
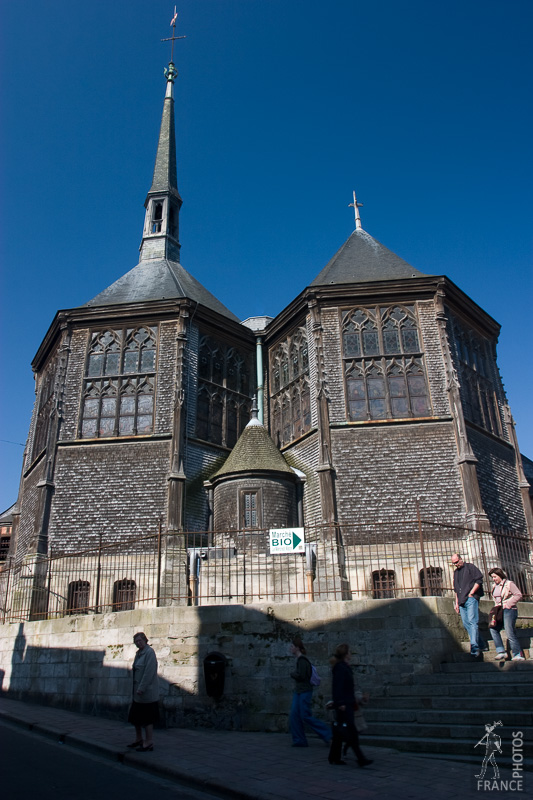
[163, 202]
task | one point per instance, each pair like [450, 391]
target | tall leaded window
[119, 387]
[46, 400]
[290, 396]
[223, 403]
[384, 364]
[478, 394]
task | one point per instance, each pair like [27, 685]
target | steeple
[163, 202]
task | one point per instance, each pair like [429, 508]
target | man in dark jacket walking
[468, 588]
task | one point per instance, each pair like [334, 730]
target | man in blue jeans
[468, 588]
[300, 714]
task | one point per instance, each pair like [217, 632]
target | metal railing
[409, 558]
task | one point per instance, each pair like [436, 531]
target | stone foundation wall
[84, 662]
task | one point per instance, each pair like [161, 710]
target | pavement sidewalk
[260, 766]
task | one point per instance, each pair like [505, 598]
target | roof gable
[362, 259]
[159, 280]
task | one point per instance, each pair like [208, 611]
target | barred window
[383, 584]
[250, 503]
[4, 547]
[78, 597]
[475, 370]
[223, 404]
[383, 364]
[290, 396]
[124, 595]
[431, 582]
[119, 387]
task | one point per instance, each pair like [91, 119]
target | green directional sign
[286, 540]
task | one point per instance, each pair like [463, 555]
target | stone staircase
[445, 713]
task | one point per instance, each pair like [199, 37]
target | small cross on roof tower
[356, 206]
[173, 37]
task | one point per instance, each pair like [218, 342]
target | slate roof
[7, 517]
[254, 452]
[155, 279]
[362, 259]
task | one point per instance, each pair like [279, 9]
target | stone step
[518, 718]
[449, 733]
[500, 679]
[463, 655]
[438, 746]
[477, 688]
[507, 667]
[491, 703]
[500, 682]
[504, 760]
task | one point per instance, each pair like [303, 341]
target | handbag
[496, 617]
[360, 722]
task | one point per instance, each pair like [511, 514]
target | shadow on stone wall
[392, 641]
[76, 679]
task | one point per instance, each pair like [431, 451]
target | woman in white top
[144, 711]
[506, 594]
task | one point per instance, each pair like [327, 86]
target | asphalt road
[34, 767]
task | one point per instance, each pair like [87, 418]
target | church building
[377, 387]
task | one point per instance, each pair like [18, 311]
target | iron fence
[409, 558]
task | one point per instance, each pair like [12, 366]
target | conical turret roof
[362, 259]
[254, 452]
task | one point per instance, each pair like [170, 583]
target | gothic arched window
[477, 373]
[223, 405]
[45, 405]
[119, 388]
[290, 395]
[383, 364]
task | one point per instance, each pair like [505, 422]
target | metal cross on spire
[356, 206]
[173, 37]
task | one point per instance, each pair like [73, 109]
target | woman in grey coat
[144, 711]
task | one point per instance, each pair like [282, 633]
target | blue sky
[283, 108]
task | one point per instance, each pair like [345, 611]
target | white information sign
[286, 540]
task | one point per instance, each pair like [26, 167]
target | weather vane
[356, 206]
[173, 37]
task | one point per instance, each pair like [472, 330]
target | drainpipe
[260, 387]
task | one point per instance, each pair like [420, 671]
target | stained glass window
[223, 405]
[45, 405]
[383, 365]
[289, 388]
[478, 377]
[120, 383]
